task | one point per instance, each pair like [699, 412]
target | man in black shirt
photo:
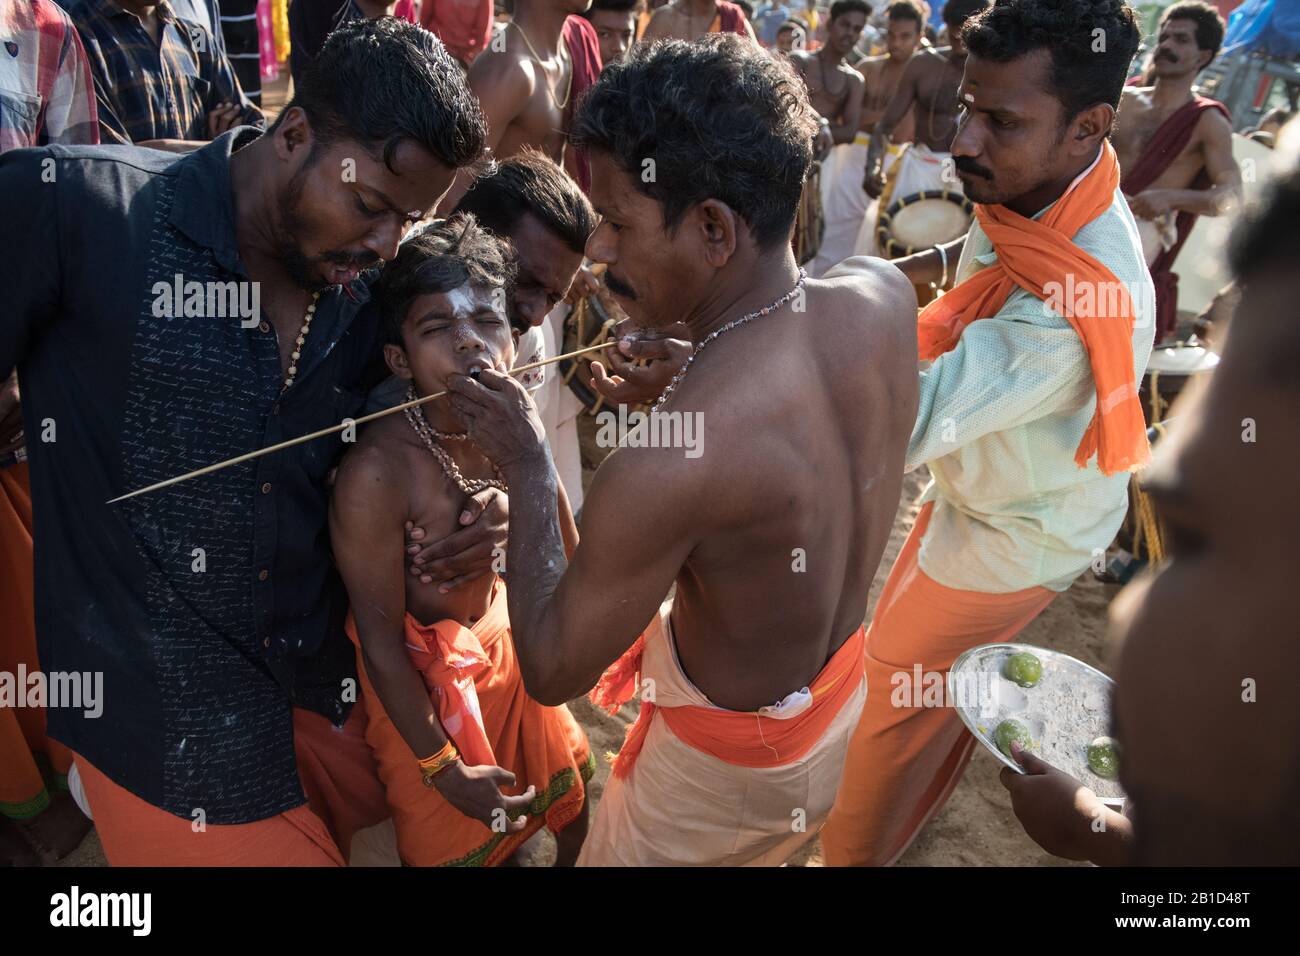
[166, 313]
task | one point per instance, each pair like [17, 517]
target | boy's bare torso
[433, 503]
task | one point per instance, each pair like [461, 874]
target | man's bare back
[806, 417]
[685, 20]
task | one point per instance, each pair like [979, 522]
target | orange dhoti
[343, 791]
[698, 785]
[24, 791]
[542, 746]
[904, 761]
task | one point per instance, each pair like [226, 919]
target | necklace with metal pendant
[766, 310]
[430, 436]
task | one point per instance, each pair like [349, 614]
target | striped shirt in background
[46, 90]
[239, 29]
[155, 90]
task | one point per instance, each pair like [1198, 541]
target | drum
[1169, 370]
[809, 220]
[923, 220]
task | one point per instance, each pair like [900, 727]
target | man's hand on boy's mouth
[463, 555]
[500, 417]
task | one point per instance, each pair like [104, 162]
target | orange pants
[343, 790]
[904, 762]
[23, 791]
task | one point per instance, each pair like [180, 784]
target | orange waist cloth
[743, 738]
[1031, 255]
[23, 790]
[478, 691]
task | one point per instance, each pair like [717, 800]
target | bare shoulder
[510, 68]
[869, 299]
[874, 279]
[1213, 124]
[374, 470]
[869, 67]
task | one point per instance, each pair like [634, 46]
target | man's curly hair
[1091, 42]
[720, 118]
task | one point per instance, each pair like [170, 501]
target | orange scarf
[1033, 254]
[745, 739]
[450, 656]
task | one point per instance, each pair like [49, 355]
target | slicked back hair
[720, 119]
[443, 257]
[380, 82]
[531, 182]
[1091, 43]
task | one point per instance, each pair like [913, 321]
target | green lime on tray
[1103, 758]
[1011, 731]
[1023, 668]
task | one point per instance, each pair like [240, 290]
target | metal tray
[983, 698]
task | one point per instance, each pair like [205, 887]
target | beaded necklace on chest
[292, 372]
[432, 438]
[734, 323]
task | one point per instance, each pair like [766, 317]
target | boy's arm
[366, 521]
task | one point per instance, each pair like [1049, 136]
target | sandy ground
[975, 828]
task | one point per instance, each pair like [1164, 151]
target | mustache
[967, 165]
[618, 286]
[351, 260]
[1166, 55]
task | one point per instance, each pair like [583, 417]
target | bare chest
[1137, 126]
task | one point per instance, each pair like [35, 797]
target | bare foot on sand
[59, 829]
[14, 849]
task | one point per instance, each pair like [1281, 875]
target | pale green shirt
[1000, 418]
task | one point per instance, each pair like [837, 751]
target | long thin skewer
[337, 428]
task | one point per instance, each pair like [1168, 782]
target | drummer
[835, 91]
[1030, 470]
[927, 90]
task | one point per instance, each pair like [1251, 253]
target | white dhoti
[680, 806]
[557, 406]
[915, 168]
[844, 203]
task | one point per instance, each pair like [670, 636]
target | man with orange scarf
[1029, 419]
